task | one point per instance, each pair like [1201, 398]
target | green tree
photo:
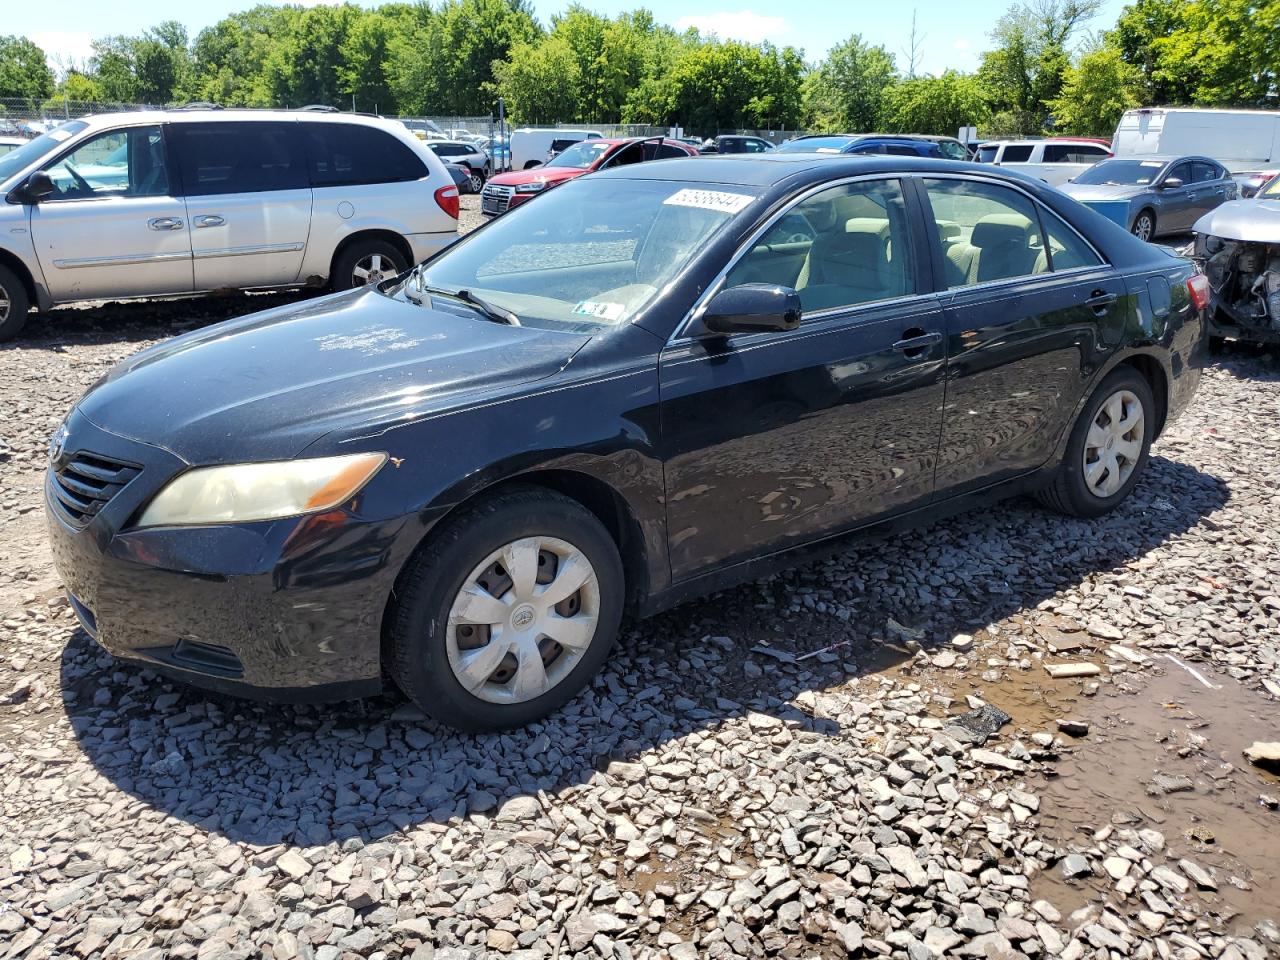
[936, 105]
[1137, 33]
[305, 64]
[366, 51]
[1095, 92]
[540, 81]
[24, 72]
[725, 86]
[847, 90]
[79, 86]
[231, 56]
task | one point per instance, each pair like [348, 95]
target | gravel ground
[863, 757]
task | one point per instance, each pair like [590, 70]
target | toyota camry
[653, 382]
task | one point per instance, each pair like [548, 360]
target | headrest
[1001, 228]
[863, 249]
[877, 225]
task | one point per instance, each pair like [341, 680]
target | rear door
[114, 226]
[1026, 305]
[248, 200]
[1209, 187]
[774, 439]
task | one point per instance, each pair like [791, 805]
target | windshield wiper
[491, 310]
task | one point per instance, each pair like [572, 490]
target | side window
[121, 163]
[219, 158]
[867, 148]
[755, 146]
[340, 154]
[1066, 249]
[666, 151]
[1182, 171]
[988, 232]
[952, 150]
[844, 246]
[1016, 153]
[1203, 172]
[901, 150]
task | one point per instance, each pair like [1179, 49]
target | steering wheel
[81, 182]
[798, 238]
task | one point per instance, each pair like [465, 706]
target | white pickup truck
[1054, 161]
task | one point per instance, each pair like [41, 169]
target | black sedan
[653, 382]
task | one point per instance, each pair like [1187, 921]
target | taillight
[447, 198]
[1198, 287]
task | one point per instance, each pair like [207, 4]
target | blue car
[895, 144]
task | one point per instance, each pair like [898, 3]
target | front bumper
[287, 609]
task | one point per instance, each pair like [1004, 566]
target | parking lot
[805, 766]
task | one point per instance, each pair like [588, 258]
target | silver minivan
[164, 203]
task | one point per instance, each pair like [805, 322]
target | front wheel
[15, 305]
[1144, 225]
[507, 611]
[366, 262]
[1108, 447]
[476, 181]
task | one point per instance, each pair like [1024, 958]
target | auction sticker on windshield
[709, 200]
[601, 311]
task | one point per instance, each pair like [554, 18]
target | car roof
[219, 115]
[769, 169]
[1162, 157]
[451, 143]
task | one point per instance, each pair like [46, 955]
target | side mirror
[37, 187]
[1170, 183]
[752, 308]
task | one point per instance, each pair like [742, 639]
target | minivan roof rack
[198, 105]
[320, 108]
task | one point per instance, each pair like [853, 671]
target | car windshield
[587, 256]
[1133, 173]
[815, 145]
[580, 156]
[29, 153]
[1271, 188]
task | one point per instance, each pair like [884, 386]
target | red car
[506, 190]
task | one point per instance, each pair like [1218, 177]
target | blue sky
[954, 32]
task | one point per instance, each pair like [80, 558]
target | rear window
[816, 144]
[347, 153]
[218, 158]
[988, 153]
[1016, 153]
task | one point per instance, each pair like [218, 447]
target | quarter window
[1066, 250]
[843, 246]
[988, 232]
[1016, 153]
[340, 154]
[221, 158]
[121, 163]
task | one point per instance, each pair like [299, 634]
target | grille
[87, 482]
[495, 198]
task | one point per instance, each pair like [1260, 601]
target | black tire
[476, 181]
[531, 164]
[427, 587]
[1068, 492]
[1144, 220]
[342, 276]
[13, 293]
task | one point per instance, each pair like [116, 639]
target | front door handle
[1099, 301]
[208, 220]
[165, 223]
[916, 342]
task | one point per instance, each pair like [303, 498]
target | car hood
[267, 385]
[549, 175]
[1102, 191]
[1253, 221]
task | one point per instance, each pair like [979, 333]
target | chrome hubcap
[523, 619]
[373, 269]
[1114, 444]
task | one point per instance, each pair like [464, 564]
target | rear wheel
[15, 305]
[366, 262]
[1108, 447]
[507, 612]
[476, 181]
[1144, 225]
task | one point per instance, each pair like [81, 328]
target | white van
[1240, 140]
[1055, 161]
[530, 145]
[168, 202]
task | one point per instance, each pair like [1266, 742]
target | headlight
[241, 492]
[533, 187]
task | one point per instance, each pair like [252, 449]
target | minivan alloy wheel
[1113, 445]
[373, 268]
[523, 619]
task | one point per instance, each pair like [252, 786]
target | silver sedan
[1153, 196]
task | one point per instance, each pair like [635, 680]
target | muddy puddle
[1157, 721]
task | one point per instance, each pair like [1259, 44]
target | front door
[1028, 302]
[248, 200]
[1178, 208]
[113, 227]
[773, 439]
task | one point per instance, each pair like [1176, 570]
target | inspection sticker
[601, 311]
[709, 200]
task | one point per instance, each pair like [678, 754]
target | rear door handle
[1099, 301]
[208, 220]
[916, 342]
[165, 223]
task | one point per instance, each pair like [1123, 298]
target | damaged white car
[1238, 248]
